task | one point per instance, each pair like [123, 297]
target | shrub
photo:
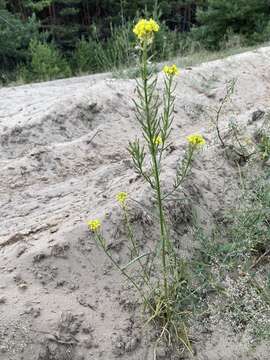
[15, 37]
[95, 55]
[118, 49]
[46, 62]
[85, 58]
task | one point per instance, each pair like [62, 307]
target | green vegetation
[87, 36]
[222, 19]
[46, 62]
[232, 273]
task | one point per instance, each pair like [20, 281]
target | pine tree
[66, 27]
[15, 36]
[220, 17]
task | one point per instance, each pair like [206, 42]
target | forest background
[48, 39]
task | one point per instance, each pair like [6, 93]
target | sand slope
[63, 159]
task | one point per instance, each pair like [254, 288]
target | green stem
[166, 116]
[162, 227]
[153, 151]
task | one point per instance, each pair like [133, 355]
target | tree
[220, 17]
[46, 62]
[15, 36]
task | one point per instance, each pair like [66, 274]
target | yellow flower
[158, 140]
[171, 70]
[196, 140]
[94, 225]
[121, 198]
[145, 29]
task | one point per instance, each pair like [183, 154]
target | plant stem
[153, 151]
[162, 227]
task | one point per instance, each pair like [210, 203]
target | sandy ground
[63, 159]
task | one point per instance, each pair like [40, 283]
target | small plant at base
[161, 294]
[215, 119]
[236, 145]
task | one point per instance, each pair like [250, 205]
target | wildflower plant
[160, 291]
[231, 139]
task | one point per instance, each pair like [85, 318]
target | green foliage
[251, 227]
[220, 18]
[247, 227]
[234, 262]
[263, 138]
[96, 36]
[264, 147]
[167, 43]
[46, 62]
[15, 36]
[85, 58]
[118, 50]
[37, 6]
[94, 55]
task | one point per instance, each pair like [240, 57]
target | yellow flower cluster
[145, 29]
[94, 225]
[122, 197]
[158, 140]
[196, 140]
[171, 70]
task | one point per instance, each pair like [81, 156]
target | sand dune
[63, 159]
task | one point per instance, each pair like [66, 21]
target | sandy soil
[63, 159]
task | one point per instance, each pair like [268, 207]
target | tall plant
[161, 290]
